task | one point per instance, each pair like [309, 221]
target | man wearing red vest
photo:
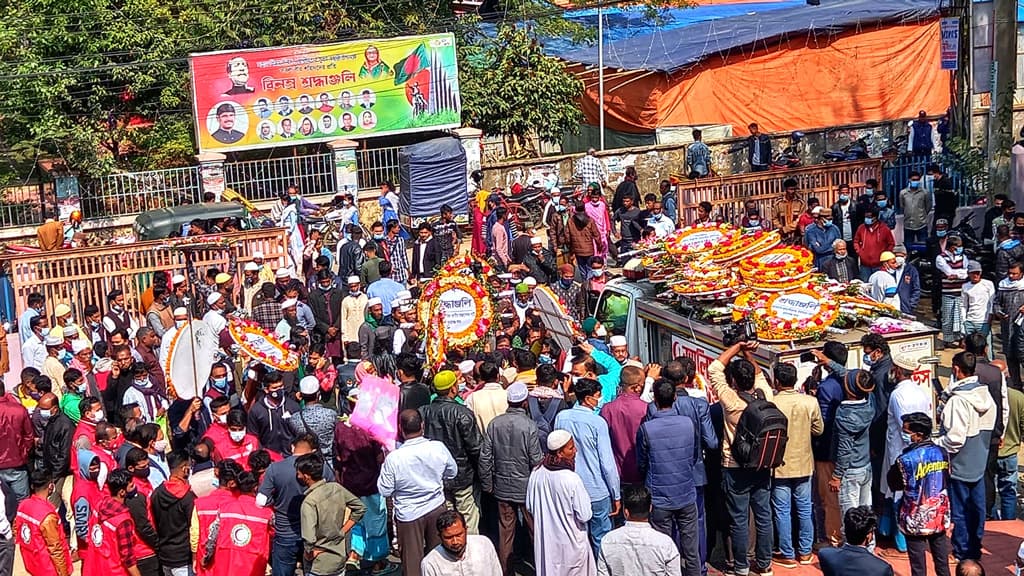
[85, 493]
[240, 537]
[144, 537]
[44, 549]
[111, 532]
[208, 506]
[240, 443]
[108, 440]
[91, 409]
[217, 432]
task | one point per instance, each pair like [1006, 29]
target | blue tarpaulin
[685, 37]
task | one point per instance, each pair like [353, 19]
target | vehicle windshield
[613, 311]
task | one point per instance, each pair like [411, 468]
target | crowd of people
[573, 460]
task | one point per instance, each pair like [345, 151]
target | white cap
[309, 385]
[816, 210]
[177, 279]
[282, 273]
[396, 304]
[406, 308]
[353, 280]
[404, 295]
[530, 281]
[618, 340]
[557, 439]
[80, 345]
[555, 191]
[251, 267]
[289, 303]
[536, 240]
[213, 298]
[374, 302]
[52, 340]
[181, 311]
[906, 362]
[467, 366]
[70, 330]
[257, 255]
[517, 392]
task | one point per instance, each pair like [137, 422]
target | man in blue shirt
[595, 462]
[821, 236]
[586, 366]
[386, 289]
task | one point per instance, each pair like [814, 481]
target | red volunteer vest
[102, 557]
[239, 452]
[31, 513]
[90, 491]
[243, 539]
[206, 512]
[87, 429]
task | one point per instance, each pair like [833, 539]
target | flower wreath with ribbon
[772, 326]
[779, 268]
[484, 307]
[738, 245]
[245, 333]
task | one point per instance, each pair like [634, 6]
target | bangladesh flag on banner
[407, 67]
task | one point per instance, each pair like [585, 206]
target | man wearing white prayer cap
[214, 318]
[560, 506]
[366, 338]
[289, 318]
[266, 273]
[620, 348]
[353, 310]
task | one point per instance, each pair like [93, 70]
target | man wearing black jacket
[350, 254]
[172, 504]
[118, 382]
[412, 393]
[56, 445]
[426, 253]
[268, 413]
[138, 508]
[759, 149]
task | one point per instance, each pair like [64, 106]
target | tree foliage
[511, 88]
[105, 85]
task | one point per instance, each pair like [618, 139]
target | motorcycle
[527, 203]
[790, 156]
[856, 150]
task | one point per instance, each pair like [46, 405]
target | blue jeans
[793, 494]
[600, 523]
[969, 328]
[854, 490]
[867, 271]
[285, 555]
[967, 510]
[746, 491]
[17, 480]
[1006, 487]
[915, 236]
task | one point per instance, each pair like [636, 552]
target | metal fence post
[471, 140]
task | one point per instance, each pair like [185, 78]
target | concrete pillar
[346, 168]
[472, 142]
[211, 174]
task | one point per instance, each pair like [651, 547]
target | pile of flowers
[777, 269]
[484, 306]
[798, 314]
[737, 245]
[204, 241]
[261, 345]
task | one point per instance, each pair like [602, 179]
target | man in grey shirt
[916, 202]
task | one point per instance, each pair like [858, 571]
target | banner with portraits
[247, 99]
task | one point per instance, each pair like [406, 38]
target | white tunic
[478, 558]
[561, 509]
[906, 398]
[216, 321]
[290, 222]
[884, 288]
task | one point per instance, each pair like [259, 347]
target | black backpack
[761, 434]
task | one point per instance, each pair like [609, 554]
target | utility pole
[600, 73]
[1004, 83]
[960, 79]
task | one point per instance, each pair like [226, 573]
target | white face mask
[601, 332]
[98, 416]
[900, 260]
[237, 435]
[160, 446]
[222, 419]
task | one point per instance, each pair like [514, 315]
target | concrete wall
[656, 163]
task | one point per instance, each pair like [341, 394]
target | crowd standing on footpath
[606, 465]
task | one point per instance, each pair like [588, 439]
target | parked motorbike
[790, 156]
[856, 150]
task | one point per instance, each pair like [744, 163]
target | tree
[510, 87]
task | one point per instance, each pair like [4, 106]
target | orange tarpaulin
[865, 76]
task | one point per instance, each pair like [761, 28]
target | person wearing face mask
[1008, 250]
[871, 240]
[595, 460]
[842, 266]
[857, 556]
[662, 224]
[952, 265]
[821, 236]
[916, 202]
[920, 472]
[906, 398]
[214, 317]
[1009, 303]
[144, 392]
[909, 280]
[844, 214]
[111, 531]
[570, 292]
[172, 506]
[33, 349]
[594, 283]
[44, 547]
[884, 286]
[117, 317]
[35, 304]
[353, 307]
[977, 295]
[269, 416]
[240, 443]
[91, 409]
[595, 333]
[325, 302]
[160, 316]
[886, 213]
